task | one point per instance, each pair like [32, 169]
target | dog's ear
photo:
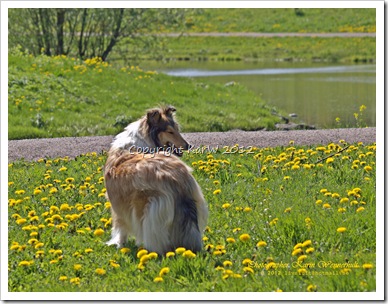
[169, 111]
[153, 116]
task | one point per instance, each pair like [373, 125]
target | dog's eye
[170, 132]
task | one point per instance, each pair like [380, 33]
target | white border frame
[380, 110]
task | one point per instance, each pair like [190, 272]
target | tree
[87, 32]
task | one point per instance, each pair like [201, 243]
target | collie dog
[153, 195]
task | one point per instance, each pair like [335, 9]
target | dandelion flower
[287, 210]
[100, 271]
[141, 253]
[230, 240]
[75, 281]
[302, 271]
[98, 232]
[170, 254]
[341, 229]
[77, 267]
[144, 259]
[244, 237]
[261, 244]
[158, 279]
[180, 250]
[270, 265]
[247, 262]
[216, 192]
[188, 254]
[88, 250]
[125, 250]
[367, 266]
[368, 168]
[226, 205]
[326, 206]
[306, 243]
[311, 288]
[302, 258]
[164, 271]
[62, 278]
[152, 255]
[248, 269]
[310, 250]
[296, 252]
[359, 209]
[227, 263]
[25, 263]
[299, 245]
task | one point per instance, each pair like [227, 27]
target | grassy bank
[59, 96]
[313, 20]
[281, 219]
[260, 49]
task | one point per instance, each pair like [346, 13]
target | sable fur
[153, 196]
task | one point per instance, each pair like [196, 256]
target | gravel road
[34, 149]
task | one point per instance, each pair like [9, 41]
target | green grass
[284, 198]
[59, 96]
[270, 20]
[263, 49]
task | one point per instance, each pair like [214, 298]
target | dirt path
[34, 149]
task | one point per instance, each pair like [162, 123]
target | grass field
[59, 96]
[313, 20]
[281, 219]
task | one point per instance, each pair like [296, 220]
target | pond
[317, 92]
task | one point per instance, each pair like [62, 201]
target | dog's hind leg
[120, 231]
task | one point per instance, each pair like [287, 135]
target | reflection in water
[317, 92]
[277, 71]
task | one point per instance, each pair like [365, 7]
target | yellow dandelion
[180, 250]
[247, 209]
[359, 209]
[98, 232]
[125, 250]
[170, 254]
[100, 271]
[75, 281]
[368, 168]
[341, 210]
[310, 250]
[287, 210]
[306, 243]
[247, 262]
[302, 258]
[164, 271]
[141, 253]
[226, 205]
[329, 160]
[311, 288]
[341, 229]
[144, 259]
[302, 271]
[216, 192]
[248, 269]
[299, 245]
[88, 250]
[227, 263]
[261, 244]
[188, 254]
[244, 237]
[25, 263]
[158, 279]
[62, 278]
[230, 240]
[77, 267]
[326, 206]
[114, 264]
[152, 255]
[296, 252]
[367, 266]
[270, 265]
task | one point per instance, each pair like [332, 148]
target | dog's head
[164, 130]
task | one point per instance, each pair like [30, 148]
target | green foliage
[275, 215]
[60, 96]
[262, 49]
[269, 20]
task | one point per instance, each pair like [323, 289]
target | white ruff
[132, 137]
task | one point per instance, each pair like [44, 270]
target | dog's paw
[114, 242]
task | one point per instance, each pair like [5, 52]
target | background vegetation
[60, 96]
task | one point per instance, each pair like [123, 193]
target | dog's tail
[185, 231]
